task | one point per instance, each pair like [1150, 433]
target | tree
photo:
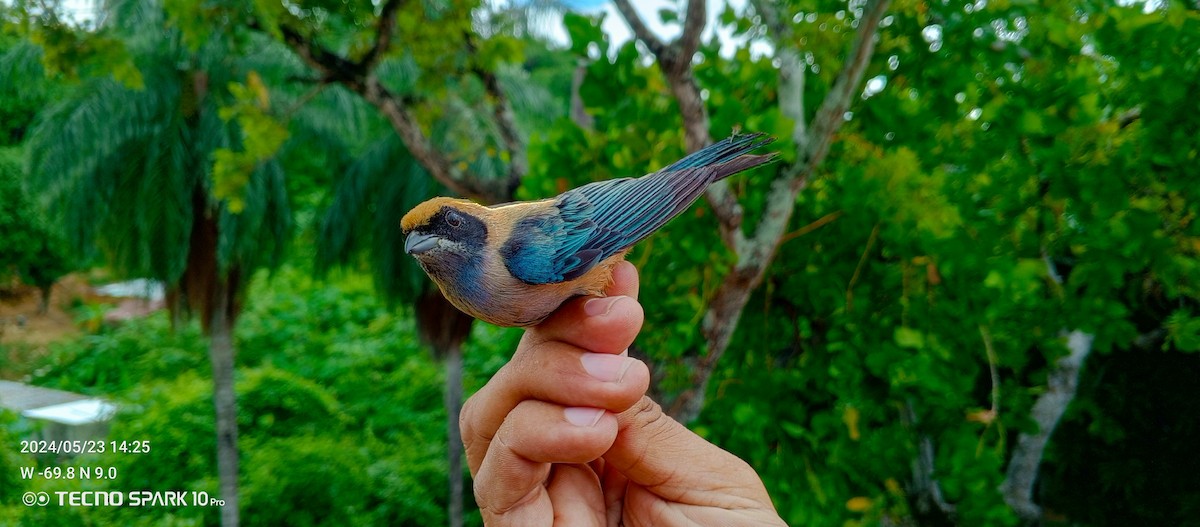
[947, 321]
[447, 92]
[126, 160]
[911, 315]
[29, 247]
[755, 253]
[46, 265]
[18, 222]
[24, 245]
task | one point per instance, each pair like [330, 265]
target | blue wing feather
[591, 223]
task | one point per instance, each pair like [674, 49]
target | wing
[593, 222]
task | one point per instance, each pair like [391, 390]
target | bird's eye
[454, 219]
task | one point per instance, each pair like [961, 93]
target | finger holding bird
[513, 264]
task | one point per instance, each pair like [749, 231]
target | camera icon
[35, 498]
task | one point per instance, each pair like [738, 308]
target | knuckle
[647, 415]
[465, 426]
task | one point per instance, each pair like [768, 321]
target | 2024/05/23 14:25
[84, 447]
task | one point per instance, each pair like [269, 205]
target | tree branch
[333, 67]
[675, 61]
[383, 35]
[439, 167]
[925, 485]
[729, 214]
[1047, 411]
[506, 122]
[693, 26]
[358, 77]
[1049, 408]
[756, 254]
[829, 116]
[792, 72]
[770, 17]
[820, 222]
[993, 370]
[579, 114]
[643, 33]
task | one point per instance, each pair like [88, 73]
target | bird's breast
[499, 298]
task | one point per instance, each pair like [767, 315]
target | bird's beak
[417, 243]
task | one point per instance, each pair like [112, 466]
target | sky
[614, 25]
[619, 33]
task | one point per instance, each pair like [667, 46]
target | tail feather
[722, 151]
[739, 164]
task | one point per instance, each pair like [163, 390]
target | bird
[514, 264]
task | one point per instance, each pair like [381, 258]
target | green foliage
[584, 31]
[148, 349]
[24, 89]
[983, 159]
[262, 137]
[20, 227]
[1027, 169]
[340, 414]
[29, 246]
[128, 169]
[11, 484]
[77, 55]
[339, 466]
[362, 217]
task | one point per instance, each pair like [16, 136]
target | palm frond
[381, 185]
[18, 65]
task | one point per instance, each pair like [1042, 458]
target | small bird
[513, 264]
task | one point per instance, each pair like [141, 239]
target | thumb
[661, 455]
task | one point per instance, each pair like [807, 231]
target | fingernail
[600, 306]
[606, 367]
[583, 416]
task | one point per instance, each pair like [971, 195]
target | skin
[565, 435]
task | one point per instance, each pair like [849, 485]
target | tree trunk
[812, 141]
[579, 114]
[221, 354]
[44, 304]
[453, 400]
[445, 328]
[1047, 411]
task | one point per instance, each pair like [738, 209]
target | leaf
[1031, 123]
[231, 174]
[795, 430]
[850, 419]
[993, 280]
[1183, 329]
[859, 504]
[982, 416]
[668, 15]
[909, 338]
[728, 15]
[583, 31]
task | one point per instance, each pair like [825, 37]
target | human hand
[564, 434]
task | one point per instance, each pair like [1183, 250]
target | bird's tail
[729, 155]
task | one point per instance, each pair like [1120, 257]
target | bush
[29, 247]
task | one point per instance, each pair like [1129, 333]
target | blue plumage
[591, 223]
[515, 264]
